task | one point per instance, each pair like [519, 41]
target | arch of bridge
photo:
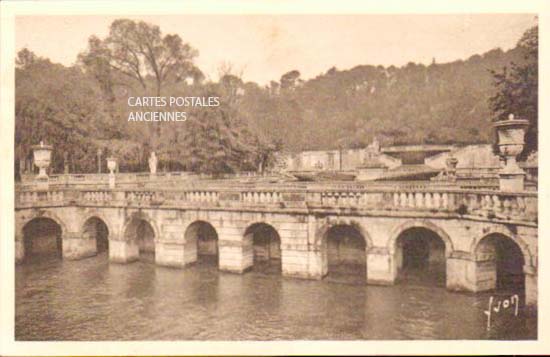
[415, 223]
[98, 215]
[507, 234]
[133, 219]
[321, 233]
[49, 214]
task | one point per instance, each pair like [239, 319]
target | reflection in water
[94, 300]
[347, 273]
[269, 267]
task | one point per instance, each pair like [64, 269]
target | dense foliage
[517, 89]
[82, 108]
[60, 106]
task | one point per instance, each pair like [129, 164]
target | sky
[261, 48]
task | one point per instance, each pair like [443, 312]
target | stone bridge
[473, 235]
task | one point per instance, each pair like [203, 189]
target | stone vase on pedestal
[511, 141]
[451, 163]
[42, 155]
[111, 165]
[153, 163]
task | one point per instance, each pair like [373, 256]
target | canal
[92, 299]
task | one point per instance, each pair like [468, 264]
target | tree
[290, 80]
[231, 87]
[96, 60]
[60, 106]
[138, 50]
[215, 143]
[26, 58]
[517, 89]
[266, 154]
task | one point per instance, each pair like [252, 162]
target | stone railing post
[451, 164]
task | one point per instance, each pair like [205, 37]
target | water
[94, 300]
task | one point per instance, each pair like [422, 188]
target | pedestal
[112, 182]
[42, 183]
[512, 182]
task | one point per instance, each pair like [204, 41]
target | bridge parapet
[134, 179]
[488, 204]
[102, 180]
[491, 204]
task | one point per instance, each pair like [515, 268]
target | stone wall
[479, 158]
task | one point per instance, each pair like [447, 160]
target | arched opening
[201, 240]
[346, 254]
[420, 257]
[95, 228]
[142, 234]
[266, 248]
[42, 238]
[499, 263]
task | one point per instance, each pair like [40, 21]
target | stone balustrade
[188, 180]
[96, 196]
[40, 197]
[142, 197]
[487, 204]
[492, 204]
[261, 197]
[130, 178]
[193, 196]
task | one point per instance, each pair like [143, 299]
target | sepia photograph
[275, 177]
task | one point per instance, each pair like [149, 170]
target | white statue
[153, 163]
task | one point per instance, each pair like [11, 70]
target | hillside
[80, 108]
[439, 103]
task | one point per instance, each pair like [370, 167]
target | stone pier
[235, 256]
[76, 247]
[461, 272]
[19, 249]
[381, 269]
[303, 261]
[172, 249]
[171, 254]
[531, 286]
[123, 251]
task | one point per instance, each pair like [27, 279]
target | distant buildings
[404, 162]
[337, 160]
